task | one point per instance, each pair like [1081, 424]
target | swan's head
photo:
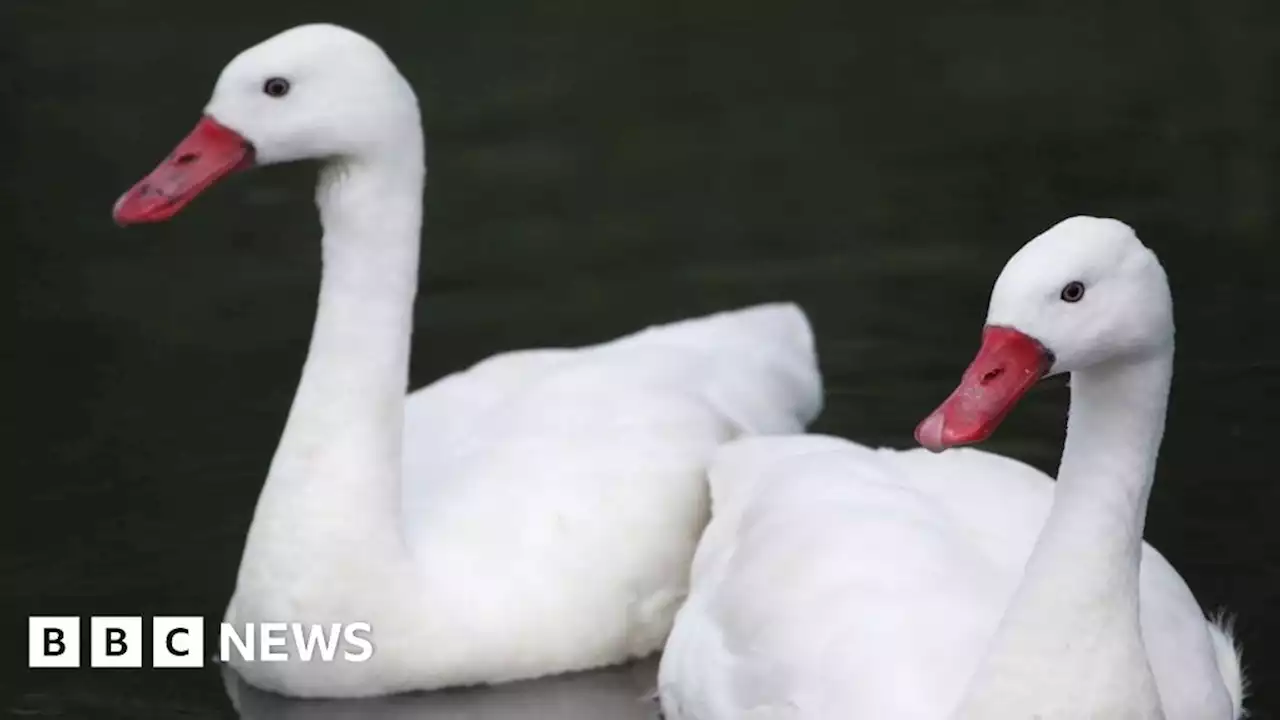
[312, 92]
[1084, 293]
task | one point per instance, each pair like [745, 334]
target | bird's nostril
[991, 375]
[185, 159]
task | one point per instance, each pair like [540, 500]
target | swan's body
[790, 615]
[532, 515]
[836, 580]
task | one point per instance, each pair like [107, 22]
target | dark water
[592, 171]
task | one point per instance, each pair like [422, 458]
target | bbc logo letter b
[115, 642]
[53, 642]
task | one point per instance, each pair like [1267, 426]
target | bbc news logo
[178, 642]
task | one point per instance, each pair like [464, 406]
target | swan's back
[825, 568]
[757, 367]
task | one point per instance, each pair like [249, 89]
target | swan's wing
[973, 489]
[755, 368]
[826, 585]
[1195, 663]
[440, 417]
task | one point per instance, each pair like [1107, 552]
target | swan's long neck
[328, 512]
[1070, 644]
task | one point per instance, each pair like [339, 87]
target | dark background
[595, 167]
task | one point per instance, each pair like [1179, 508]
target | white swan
[534, 514]
[838, 581]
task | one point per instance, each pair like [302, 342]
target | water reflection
[622, 693]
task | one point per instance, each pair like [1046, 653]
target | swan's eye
[276, 87]
[1073, 291]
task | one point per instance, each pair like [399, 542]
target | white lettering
[275, 641]
[316, 637]
[266, 641]
[364, 643]
[227, 636]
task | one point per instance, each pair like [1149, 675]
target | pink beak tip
[930, 431]
[115, 211]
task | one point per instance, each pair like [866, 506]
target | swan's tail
[1229, 663]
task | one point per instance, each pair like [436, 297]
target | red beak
[210, 152]
[1007, 365]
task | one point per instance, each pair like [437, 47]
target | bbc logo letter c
[177, 642]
